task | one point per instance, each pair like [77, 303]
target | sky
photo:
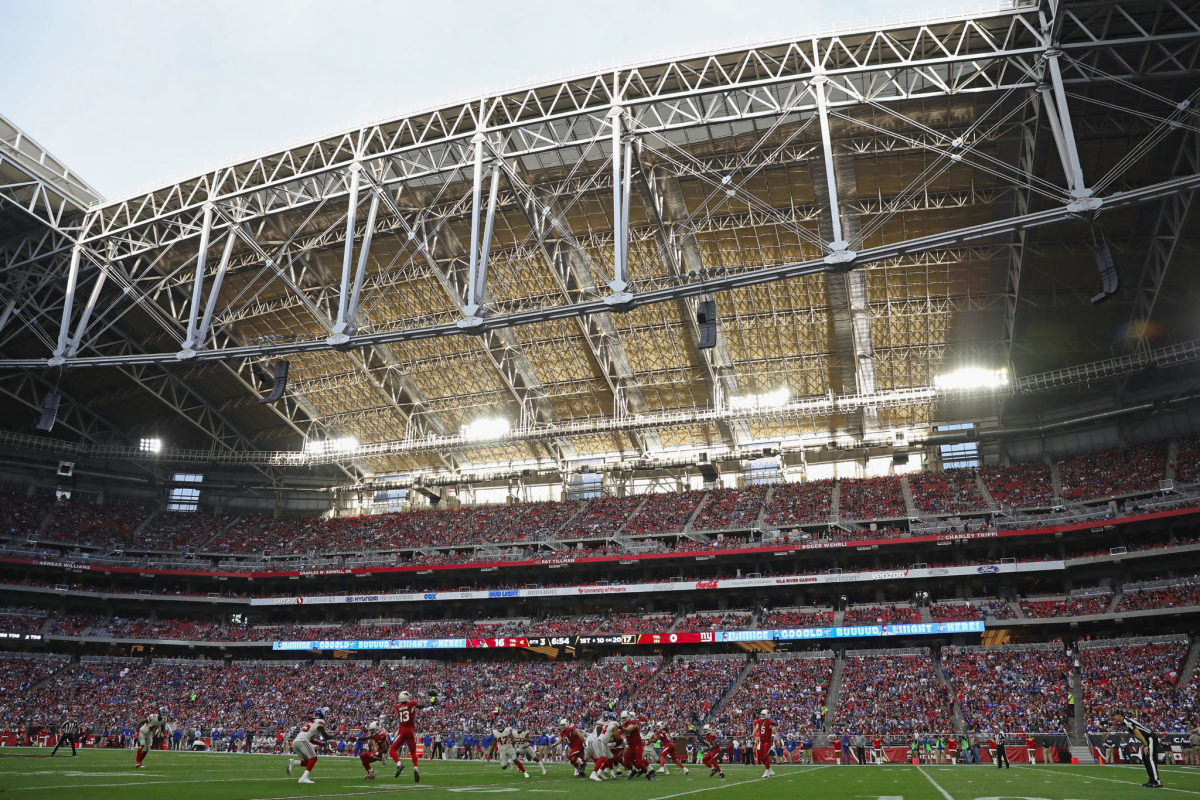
[136, 94]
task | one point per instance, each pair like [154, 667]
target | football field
[108, 775]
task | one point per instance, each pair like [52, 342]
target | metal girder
[573, 274]
[501, 346]
[1018, 253]
[29, 389]
[966, 236]
[34, 181]
[665, 205]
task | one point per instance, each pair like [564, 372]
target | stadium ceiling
[867, 210]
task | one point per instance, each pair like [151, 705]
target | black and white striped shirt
[1134, 725]
[68, 728]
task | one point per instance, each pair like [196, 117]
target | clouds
[134, 94]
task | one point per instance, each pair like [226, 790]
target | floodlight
[320, 446]
[972, 378]
[775, 399]
[150, 445]
[482, 429]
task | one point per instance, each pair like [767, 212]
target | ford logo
[989, 568]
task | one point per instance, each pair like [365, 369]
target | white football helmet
[405, 697]
[563, 722]
[626, 715]
[707, 728]
[764, 714]
[373, 727]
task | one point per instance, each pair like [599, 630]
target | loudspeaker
[1110, 281]
[899, 459]
[706, 318]
[709, 471]
[280, 384]
[49, 411]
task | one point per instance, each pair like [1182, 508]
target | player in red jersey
[573, 739]
[663, 736]
[712, 756]
[1031, 746]
[764, 730]
[877, 750]
[406, 715]
[634, 758]
[376, 749]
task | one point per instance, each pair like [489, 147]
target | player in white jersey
[524, 747]
[614, 744]
[312, 735]
[506, 751]
[155, 722]
[593, 750]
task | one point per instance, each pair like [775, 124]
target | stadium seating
[730, 508]
[891, 694]
[20, 516]
[880, 615]
[950, 492]
[683, 693]
[1019, 485]
[799, 503]
[93, 525]
[1010, 688]
[601, 517]
[1178, 596]
[792, 689]
[664, 513]
[1187, 466]
[1113, 472]
[871, 498]
[947, 612]
[1067, 607]
[1140, 677]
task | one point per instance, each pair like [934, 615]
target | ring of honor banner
[618, 639]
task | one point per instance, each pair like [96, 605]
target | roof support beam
[665, 204]
[572, 271]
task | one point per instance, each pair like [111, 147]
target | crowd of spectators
[793, 690]
[20, 516]
[871, 498]
[174, 530]
[730, 508]
[1186, 594]
[888, 614]
[1113, 472]
[601, 517]
[93, 525]
[948, 612]
[996, 609]
[18, 674]
[1008, 689]
[796, 618]
[1019, 485]
[520, 521]
[715, 621]
[1067, 607]
[948, 492]
[264, 535]
[799, 503]
[1187, 462]
[891, 694]
[683, 693]
[1140, 679]
[664, 513]
[21, 620]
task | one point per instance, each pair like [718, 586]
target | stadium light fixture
[775, 399]
[972, 378]
[483, 429]
[345, 444]
[150, 445]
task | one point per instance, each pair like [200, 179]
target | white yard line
[726, 785]
[936, 785]
[1055, 771]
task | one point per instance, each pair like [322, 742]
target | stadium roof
[460, 265]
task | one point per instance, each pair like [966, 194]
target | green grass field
[108, 775]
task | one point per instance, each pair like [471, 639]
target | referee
[1151, 744]
[1002, 751]
[67, 731]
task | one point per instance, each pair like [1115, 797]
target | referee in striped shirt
[68, 730]
[1151, 744]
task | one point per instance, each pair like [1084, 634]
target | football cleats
[405, 697]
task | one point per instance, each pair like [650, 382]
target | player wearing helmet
[573, 739]
[765, 730]
[376, 749]
[634, 758]
[312, 735]
[663, 736]
[406, 715]
[154, 722]
[712, 756]
[506, 751]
